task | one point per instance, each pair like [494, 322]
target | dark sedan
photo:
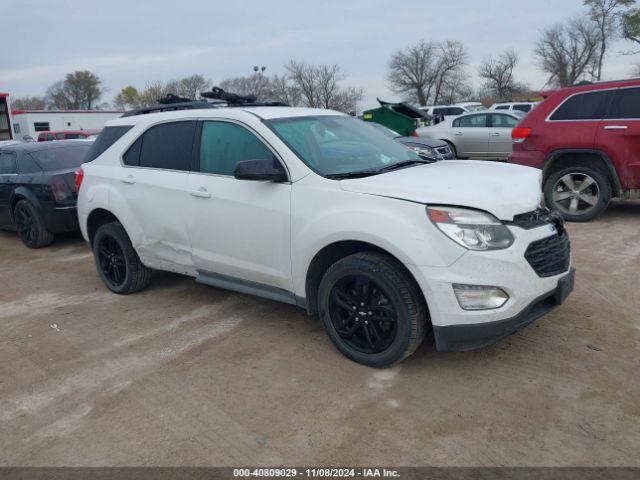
[425, 147]
[37, 189]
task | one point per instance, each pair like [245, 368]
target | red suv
[586, 140]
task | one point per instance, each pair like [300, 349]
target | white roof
[238, 113]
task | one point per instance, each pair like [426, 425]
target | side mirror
[260, 170]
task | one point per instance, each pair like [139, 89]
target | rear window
[61, 158]
[107, 137]
[523, 107]
[584, 106]
[626, 104]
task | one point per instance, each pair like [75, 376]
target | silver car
[484, 134]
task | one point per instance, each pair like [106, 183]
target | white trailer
[29, 123]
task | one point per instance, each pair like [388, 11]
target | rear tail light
[79, 178]
[415, 134]
[61, 192]
[520, 134]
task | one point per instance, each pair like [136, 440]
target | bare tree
[282, 90]
[29, 103]
[452, 58]
[256, 84]
[565, 51]
[319, 86]
[606, 14]
[499, 81]
[190, 87]
[79, 90]
[412, 71]
[423, 71]
[457, 88]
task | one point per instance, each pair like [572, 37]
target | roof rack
[216, 98]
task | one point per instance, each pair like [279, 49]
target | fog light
[478, 297]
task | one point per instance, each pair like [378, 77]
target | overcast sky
[135, 41]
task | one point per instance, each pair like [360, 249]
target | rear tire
[117, 262]
[372, 309]
[31, 226]
[580, 193]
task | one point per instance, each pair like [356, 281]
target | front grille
[550, 256]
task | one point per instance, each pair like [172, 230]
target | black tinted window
[132, 156]
[584, 106]
[7, 163]
[626, 104]
[168, 146]
[522, 108]
[61, 158]
[108, 136]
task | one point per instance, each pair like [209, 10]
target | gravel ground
[184, 374]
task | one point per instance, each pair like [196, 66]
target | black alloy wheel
[112, 261]
[362, 314]
[30, 225]
[25, 224]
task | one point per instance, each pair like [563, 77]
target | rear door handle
[495, 134]
[201, 193]
[128, 179]
[615, 127]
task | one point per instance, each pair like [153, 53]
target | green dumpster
[400, 117]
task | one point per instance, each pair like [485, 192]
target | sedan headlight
[425, 151]
[473, 229]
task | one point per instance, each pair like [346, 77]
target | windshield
[335, 145]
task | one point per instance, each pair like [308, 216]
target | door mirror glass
[261, 170]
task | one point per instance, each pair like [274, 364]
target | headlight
[472, 229]
[425, 151]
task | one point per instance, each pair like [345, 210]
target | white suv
[321, 210]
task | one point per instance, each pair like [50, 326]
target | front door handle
[128, 179]
[457, 133]
[615, 127]
[496, 134]
[200, 193]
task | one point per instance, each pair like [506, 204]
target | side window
[224, 144]
[523, 107]
[7, 163]
[456, 111]
[49, 136]
[502, 107]
[60, 136]
[41, 126]
[584, 106]
[503, 121]
[626, 104]
[168, 146]
[471, 121]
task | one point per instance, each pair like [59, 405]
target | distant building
[28, 123]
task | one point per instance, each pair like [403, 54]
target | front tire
[117, 262]
[579, 193]
[372, 310]
[30, 225]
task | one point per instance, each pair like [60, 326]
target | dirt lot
[184, 374]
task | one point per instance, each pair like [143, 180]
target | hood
[429, 142]
[501, 189]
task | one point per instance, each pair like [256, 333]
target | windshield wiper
[404, 163]
[356, 174]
